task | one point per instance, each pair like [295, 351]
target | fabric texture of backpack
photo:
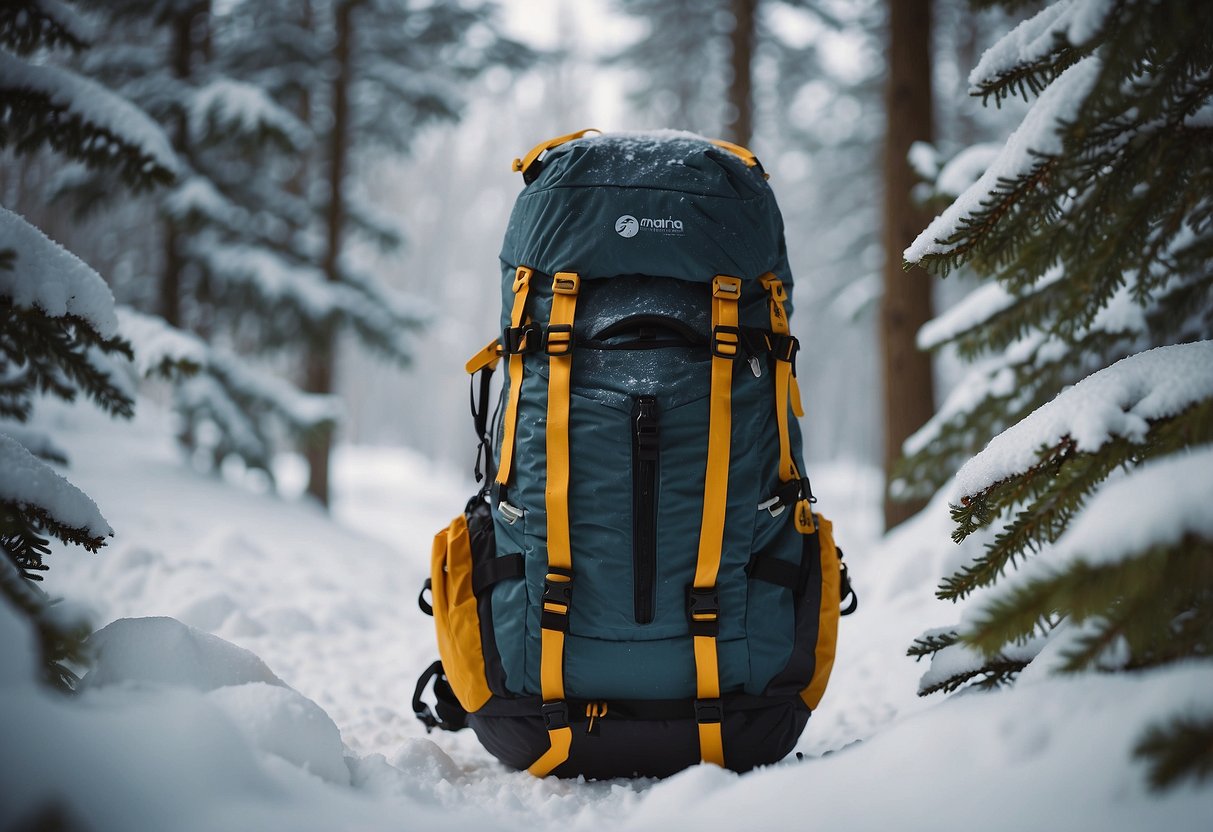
[642, 584]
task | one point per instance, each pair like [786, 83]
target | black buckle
[703, 611]
[728, 346]
[784, 347]
[555, 715]
[563, 343]
[514, 337]
[709, 710]
[557, 599]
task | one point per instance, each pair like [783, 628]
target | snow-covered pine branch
[29, 25]
[241, 404]
[225, 109]
[80, 119]
[55, 313]
[1028, 58]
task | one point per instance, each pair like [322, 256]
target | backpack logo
[627, 226]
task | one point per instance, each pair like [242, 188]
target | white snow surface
[48, 277]
[1036, 134]
[1072, 22]
[92, 102]
[1116, 401]
[329, 606]
[27, 481]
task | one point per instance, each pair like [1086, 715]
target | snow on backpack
[642, 583]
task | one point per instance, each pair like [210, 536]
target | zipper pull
[594, 710]
[755, 366]
[645, 427]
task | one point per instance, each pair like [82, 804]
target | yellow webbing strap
[487, 357]
[726, 291]
[783, 373]
[521, 165]
[565, 286]
[786, 393]
[745, 153]
[522, 287]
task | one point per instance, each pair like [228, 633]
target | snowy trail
[332, 612]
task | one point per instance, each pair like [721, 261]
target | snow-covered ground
[181, 730]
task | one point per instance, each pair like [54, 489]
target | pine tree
[57, 319]
[1092, 362]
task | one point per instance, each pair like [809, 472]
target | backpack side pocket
[828, 571]
[456, 615]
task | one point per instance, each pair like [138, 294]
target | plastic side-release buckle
[557, 599]
[521, 340]
[555, 715]
[709, 710]
[703, 610]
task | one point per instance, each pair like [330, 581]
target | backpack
[642, 583]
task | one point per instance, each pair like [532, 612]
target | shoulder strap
[703, 602]
[558, 583]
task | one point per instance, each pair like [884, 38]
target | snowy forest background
[297, 207]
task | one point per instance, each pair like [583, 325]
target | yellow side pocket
[456, 616]
[827, 616]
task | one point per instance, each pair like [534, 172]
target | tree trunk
[182, 55]
[740, 126]
[909, 398]
[322, 353]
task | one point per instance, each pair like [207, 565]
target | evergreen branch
[1029, 79]
[26, 27]
[53, 354]
[1055, 490]
[1177, 749]
[1142, 599]
[995, 673]
[30, 120]
[930, 643]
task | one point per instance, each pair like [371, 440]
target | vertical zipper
[645, 456]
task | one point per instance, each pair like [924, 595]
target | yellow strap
[522, 287]
[726, 291]
[745, 153]
[487, 357]
[783, 373]
[565, 286]
[521, 165]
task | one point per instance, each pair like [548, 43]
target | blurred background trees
[327, 205]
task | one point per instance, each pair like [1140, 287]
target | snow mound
[163, 651]
[1118, 401]
[283, 722]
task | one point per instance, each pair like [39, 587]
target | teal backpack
[642, 583]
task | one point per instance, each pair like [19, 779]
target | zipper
[645, 456]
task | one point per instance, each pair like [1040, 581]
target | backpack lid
[664, 203]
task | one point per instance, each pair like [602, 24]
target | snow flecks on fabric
[48, 277]
[1036, 135]
[94, 104]
[1117, 401]
[1072, 22]
[27, 481]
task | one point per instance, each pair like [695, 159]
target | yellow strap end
[797, 407]
[524, 164]
[487, 357]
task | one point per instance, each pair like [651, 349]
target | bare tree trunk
[740, 126]
[170, 273]
[319, 371]
[909, 397]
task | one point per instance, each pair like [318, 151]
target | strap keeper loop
[558, 340]
[726, 341]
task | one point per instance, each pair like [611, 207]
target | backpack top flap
[667, 204]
